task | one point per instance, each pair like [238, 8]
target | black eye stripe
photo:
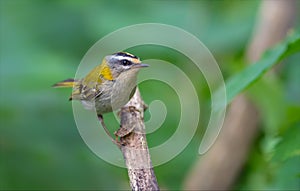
[126, 62]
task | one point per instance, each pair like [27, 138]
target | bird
[107, 87]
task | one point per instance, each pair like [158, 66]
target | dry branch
[134, 145]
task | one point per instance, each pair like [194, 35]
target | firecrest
[109, 86]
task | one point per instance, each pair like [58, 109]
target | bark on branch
[134, 145]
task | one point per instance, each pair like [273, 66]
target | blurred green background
[42, 42]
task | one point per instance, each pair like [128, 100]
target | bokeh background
[42, 42]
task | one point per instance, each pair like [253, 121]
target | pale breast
[113, 94]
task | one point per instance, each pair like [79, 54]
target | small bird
[109, 86]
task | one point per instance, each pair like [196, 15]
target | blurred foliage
[239, 82]
[43, 42]
[279, 146]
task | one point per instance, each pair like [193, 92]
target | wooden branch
[134, 145]
[218, 168]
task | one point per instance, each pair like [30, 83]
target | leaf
[289, 146]
[239, 82]
[285, 160]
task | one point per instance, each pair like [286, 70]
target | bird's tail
[68, 83]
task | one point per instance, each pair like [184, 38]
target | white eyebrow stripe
[122, 57]
[126, 58]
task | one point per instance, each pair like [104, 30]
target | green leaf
[289, 146]
[239, 82]
[286, 160]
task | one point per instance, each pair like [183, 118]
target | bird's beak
[141, 65]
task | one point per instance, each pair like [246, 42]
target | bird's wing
[90, 92]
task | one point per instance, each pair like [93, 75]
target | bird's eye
[126, 63]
